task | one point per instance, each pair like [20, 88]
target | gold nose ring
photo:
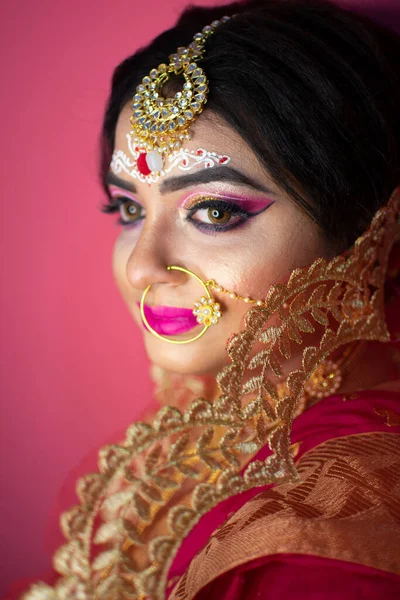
[207, 310]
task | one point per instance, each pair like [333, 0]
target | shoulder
[344, 507]
[282, 577]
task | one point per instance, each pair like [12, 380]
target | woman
[255, 175]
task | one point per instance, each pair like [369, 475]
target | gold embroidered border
[205, 447]
[346, 506]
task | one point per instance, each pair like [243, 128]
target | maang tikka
[160, 125]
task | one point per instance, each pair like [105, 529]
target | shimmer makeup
[215, 213]
[254, 206]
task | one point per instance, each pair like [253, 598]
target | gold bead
[260, 302]
[247, 299]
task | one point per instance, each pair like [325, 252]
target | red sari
[332, 532]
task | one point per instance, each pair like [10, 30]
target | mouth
[170, 320]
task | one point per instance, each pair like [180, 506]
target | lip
[170, 320]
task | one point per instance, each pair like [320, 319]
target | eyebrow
[217, 173]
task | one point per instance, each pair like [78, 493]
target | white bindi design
[184, 159]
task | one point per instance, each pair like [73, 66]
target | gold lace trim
[202, 452]
[346, 506]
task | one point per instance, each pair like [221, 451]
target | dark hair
[312, 88]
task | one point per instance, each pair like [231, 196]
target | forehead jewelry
[207, 310]
[160, 125]
[183, 159]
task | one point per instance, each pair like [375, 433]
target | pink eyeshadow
[253, 204]
[117, 191]
[248, 204]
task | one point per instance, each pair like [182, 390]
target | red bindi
[142, 164]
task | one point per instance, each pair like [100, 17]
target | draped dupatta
[323, 485]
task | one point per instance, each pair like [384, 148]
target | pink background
[73, 370]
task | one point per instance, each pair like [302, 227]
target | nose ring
[207, 310]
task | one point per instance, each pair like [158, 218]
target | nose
[148, 261]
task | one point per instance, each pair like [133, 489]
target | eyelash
[209, 203]
[115, 203]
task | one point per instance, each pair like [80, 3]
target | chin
[198, 358]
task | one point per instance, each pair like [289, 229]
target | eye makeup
[216, 214]
[125, 202]
[247, 204]
[208, 213]
[117, 192]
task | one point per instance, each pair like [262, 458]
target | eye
[213, 215]
[130, 211]
[218, 216]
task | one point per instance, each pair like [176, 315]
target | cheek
[271, 258]
[120, 257]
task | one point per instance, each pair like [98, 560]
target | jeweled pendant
[161, 123]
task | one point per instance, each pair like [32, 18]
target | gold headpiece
[159, 124]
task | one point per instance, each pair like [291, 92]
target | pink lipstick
[170, 320]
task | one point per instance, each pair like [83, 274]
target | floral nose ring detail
[207, 310]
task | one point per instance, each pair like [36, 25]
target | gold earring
[325, 380]
[207, 310]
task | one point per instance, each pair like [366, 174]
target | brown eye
[130, 211]
[218, 216]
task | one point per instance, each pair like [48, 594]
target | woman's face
[229, 223]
